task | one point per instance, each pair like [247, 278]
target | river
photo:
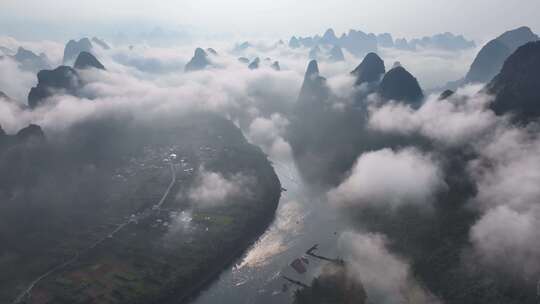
[302, 220]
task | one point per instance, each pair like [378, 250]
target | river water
[303, 219]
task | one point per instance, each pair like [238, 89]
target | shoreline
[210, 278]
[206, 280]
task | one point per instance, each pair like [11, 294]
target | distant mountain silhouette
[212, 51]
[199, 61]
[315, 52]
[517, 86]
[399, 85]
[488, 62]
[86, 60]
[63, 79]
[314, 88]
[74, 48]
[447, 93]
[385, 40]
[101, 43]
[444, 41]
[359, 43]
[254, 64]
[308, 42]
[403, 44]
[329, 37]
[241, 47]
[4, 95]
[491, 57]
[243, 60]
[276, 66]
[336, 54]
[370, 70]
[294, 43]
[29, 61]
[6, 51]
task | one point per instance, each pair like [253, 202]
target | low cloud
[54, 50]
[231, 90]
[508, 169]
[454, 121]
[212, 189]
[268, 134]
[508, 240]
[13, 81]
[505, 171]
[388, 178]
[426, 64]
[386, 277]
[507, 174]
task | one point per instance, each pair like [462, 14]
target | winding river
[302, 220]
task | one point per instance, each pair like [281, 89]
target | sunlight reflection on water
[289, 221]
[302, 219]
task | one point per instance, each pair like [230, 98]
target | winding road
[119, 228]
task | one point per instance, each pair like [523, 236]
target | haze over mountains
[135, 173]
[358, 42]
[492, 56]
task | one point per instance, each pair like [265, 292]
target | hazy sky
[478, 19]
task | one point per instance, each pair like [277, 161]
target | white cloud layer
[385, 276]
[13, 81]
[507, 175]
[388, 178]
[268, 134]
[213, 189]
[455, 121]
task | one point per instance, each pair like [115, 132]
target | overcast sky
[477, 19]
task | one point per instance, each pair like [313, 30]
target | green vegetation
[334, 286]
[154, 258]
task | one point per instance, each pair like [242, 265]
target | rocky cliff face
[400, 85]
[74, 48]
[29, 61]
[199, 61]
[488, 62]
[370, 70]
[517, 86]
[63, 79]
[491, 57]
[276, 66]
[86, 60]
[254, 64]
[336, 54]
[101, 43]
[314, 90]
